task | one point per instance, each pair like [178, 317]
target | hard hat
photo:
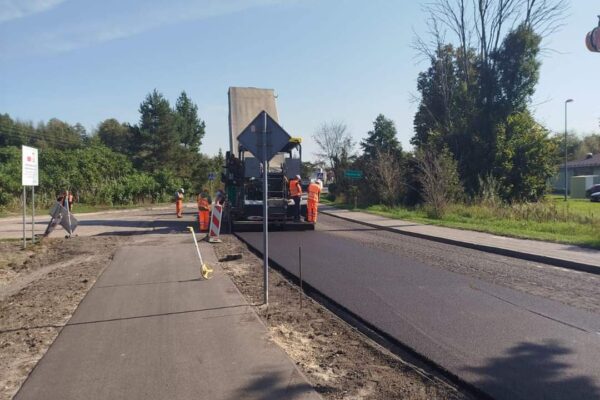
[313, 181]
[298, 177]
[181, 190]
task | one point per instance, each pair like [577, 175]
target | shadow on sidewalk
[539, 371]
[275, 386]
[25, 328]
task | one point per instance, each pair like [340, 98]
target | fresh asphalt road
[512, 328]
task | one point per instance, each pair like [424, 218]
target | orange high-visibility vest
[295, 188]
[313, 192]
[203, 203]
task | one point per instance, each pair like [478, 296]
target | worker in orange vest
[179, 202]
[296, 195]
[314, 195]
[204, 202]
[68, 196]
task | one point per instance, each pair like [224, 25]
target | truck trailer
[243, 173]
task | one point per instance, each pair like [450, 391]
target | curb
[557, 262]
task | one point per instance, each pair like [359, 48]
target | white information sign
[30, 166]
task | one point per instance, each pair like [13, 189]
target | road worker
[68, 196]
[314, 195]
[296, 195]
[179, 202]
[204, 202]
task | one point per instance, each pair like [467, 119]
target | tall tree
[470, 91]
[115, 135]
[525, 158]
[57, 133]
[381, 163]
[191, 128]
[334, 142]
[158, 131]
[382, 137]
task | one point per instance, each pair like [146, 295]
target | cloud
[13, 9]
[122, 23]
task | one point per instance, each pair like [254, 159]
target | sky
[345, 60]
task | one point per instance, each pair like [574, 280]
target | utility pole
[566, 153]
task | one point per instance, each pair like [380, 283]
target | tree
[57, 133]
[383, 136]
[116, 136]
[525, 159]
[574, 144]
[333, 139]
[160, 141]
[190, 126]
[438, 178]
[589, 144]
[11, 134]
[384, 175]
[471, 89]
[381, 162]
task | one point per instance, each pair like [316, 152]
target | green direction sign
[353, 174]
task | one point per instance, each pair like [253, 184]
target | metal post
[66, 204]
[33, 214]
[566, 168]
[24, 212]
[300, 274]
[566, 171]
[265, 213]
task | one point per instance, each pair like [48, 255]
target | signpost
[29, 177]
[264, 138]
[211, 178]
[354, 175]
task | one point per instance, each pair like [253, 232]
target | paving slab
[151, 329]
[562, 255]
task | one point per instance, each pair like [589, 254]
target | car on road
[593, 193]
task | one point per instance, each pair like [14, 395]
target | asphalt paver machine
[243, 173]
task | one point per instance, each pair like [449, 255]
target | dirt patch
[339, 361]
[39, 290]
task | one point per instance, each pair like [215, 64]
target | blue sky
[346, 60]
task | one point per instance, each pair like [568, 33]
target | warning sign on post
[30, 166]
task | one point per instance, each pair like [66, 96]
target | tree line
[474, 132]
[117, 163]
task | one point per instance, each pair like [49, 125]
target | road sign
[353, 174]
[211, 176]
[252, 137]
[320, 175]
[264, 138]
[29, 176]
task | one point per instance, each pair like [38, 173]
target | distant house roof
[593, 161]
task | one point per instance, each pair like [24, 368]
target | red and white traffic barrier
[215, 223]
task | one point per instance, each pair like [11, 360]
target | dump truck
[243, 173]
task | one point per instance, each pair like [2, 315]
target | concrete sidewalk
[562, 255]
[151, 329]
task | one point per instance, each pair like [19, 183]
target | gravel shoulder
[40, 289]
[338, 360]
